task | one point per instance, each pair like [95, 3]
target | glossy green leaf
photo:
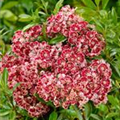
[117, 69]
[4, 118]
[9, 5]
[70, 112]
[95, 117]
[8, 15]
[88, 110]
[35, 118]
[24, 18]
[113, 100]
[104, 3]
[28, 26]
[97, 2]
[53, 116]
[58, 6]
[27, 4]
[15, 86]
[44, 6]
[4, 112]
[78, 112]
[103, 13]
[2, 46]
[103, 108]
[99, 27]
[60, 117]
[57, 39]
[114, 15]
[49, 103]
[118, 118]
[5, 77]
[111, 34]
[12, 115]
[112, 114]
[23, 112]
[40, 99]
[89, 3]
[85, 10]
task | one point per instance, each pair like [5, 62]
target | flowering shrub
[63, 71]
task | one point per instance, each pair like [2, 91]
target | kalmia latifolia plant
[61, 68]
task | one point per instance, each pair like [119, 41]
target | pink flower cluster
[26, 74]
[66, 88]
[30, 35]
[77, 31]
[59, 73]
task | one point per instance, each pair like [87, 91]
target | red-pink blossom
[58, 73]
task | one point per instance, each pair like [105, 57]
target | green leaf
[44, 31]
[4, 118]
[85, 10]
[78, 112]
[60, 117]
[88, 110]
[104, 3]
[4, 112]
[12, 115]
[57, 39]
[15, 86]
[69, 112]
[53, 116]
[103, 108]
[111, 34]
[99, 27]
[8, 15]
[49, 103]
[97, 2]
[117, 69]
[9, 5]
[95, 116]
[117, 118]
[40, 99]
[58, 6]
[28, 26]
[112, 114]
[114, 101]
[114, 15]
[22, 111]
[45, 6]
[89, 4]
[103, 13]
[2, 44]
[5, 77]
[35, 118]
[26, 4]
[24, 18]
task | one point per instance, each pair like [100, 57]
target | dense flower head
[77, 31]
[61, 72]
[29, 35]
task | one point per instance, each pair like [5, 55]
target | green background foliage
[22, 14]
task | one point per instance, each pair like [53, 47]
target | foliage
[104, 14]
